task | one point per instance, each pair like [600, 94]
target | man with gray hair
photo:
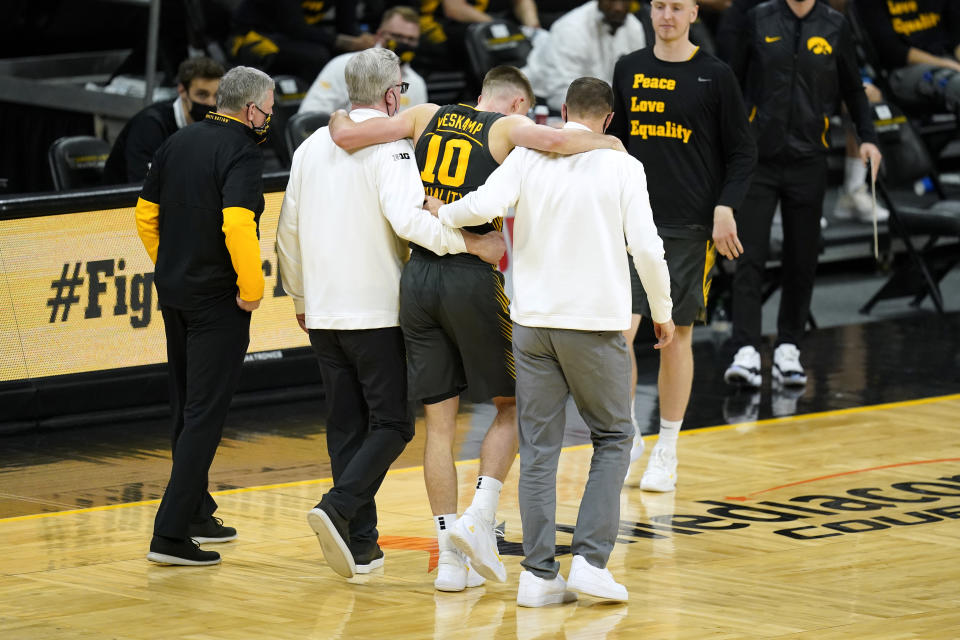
[198, 216]
[340, 259]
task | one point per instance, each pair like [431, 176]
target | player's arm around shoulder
[520, 131]
[350, 135]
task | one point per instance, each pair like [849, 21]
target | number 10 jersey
[453, 155]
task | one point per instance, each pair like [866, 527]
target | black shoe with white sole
[332, 531]
[180, 552]
[211, 530]
[369, 560]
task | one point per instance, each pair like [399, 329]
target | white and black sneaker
[745, 369]
[786, 366]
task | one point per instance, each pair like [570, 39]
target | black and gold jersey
[453, 155]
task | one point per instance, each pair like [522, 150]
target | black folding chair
[906, 160]
[301, 126]
[494, 43]
[77, 161]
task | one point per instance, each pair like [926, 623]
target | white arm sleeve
[643, 241]
[401, 200]
[288, 238]
[500, 192]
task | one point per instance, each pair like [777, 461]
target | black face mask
[261, 131]
[403, 50]
[264, 128]
[199, 111]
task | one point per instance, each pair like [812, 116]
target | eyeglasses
[257, 107]
[403, 86]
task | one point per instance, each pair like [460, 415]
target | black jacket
[794, 72]
[201, 178]
[138, 140]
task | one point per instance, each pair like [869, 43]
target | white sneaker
[858, 205]
[661, 473]
[599, 583]
[786, 366]
[454, 573]
[537, 592]
[475, 538]
[745, 369]
[636, 451]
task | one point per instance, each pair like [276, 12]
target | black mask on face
[262, 130]
[403, 50]
[199, 111]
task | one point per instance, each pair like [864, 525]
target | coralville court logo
[914, 501]
[811, 516]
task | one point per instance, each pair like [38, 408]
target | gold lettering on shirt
[651, 106]
[460, 122]
[640, 80]
[899, 8]
[922, 22]
[666, 130]
[444, 195]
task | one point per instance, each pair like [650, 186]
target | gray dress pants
[593, 367]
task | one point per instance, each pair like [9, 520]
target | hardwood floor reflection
[839, 525]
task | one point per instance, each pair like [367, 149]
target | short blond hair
[507, 79]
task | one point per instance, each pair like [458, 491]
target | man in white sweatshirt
[571, 303]
[340, 260]
[587, 41]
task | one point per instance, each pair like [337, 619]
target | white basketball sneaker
[599, 583]
[744, 371]
[787, 369]
[537, 592]
[661, 473]
[475, 538]
[454, 573]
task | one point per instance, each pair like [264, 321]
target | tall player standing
[679, 111]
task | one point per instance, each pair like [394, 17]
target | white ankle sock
[854, 174]
[487, 497]
[669, 430]
[443, 524]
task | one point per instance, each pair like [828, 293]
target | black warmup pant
[799, 185]
[205, 350]
[369, 421]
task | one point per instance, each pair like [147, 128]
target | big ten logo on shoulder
[642, 81]
[401, 156]
[123, 293]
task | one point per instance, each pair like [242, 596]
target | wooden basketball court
[843, 524]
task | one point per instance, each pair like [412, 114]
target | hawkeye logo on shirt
[819, 46]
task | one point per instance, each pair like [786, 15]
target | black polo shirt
[196, 174]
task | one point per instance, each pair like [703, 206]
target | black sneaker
[369, 560]
[211, 530]
[181, 552]
[332, 531]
